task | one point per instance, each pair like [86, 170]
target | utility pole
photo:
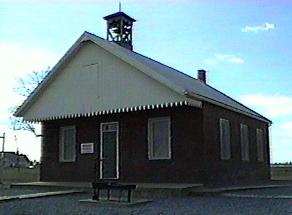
[17, 154]
[2, 158]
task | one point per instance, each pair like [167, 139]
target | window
[67, 145]
[159, 146]
[225, 152]
[260, 144]
[244, 142]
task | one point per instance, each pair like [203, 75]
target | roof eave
[206, 99]
[86, 36]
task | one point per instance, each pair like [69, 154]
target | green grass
[20, 175]
[281, 173]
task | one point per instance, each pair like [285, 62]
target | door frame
[117, 150]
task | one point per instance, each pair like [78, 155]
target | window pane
[159, 138]
[225, 139]
[244, 142]
[67, 142]
[260, 145]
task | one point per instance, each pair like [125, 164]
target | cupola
[119, 29]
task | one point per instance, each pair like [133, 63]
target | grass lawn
[281, 173]
[20, 175]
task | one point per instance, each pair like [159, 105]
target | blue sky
[244, 45]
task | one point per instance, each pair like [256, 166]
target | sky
[245, 46]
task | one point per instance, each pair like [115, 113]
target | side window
[260, 144]
[67, 143]
[225, 151]
[244, 141]
[159, 146]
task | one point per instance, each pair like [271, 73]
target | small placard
[87, 148]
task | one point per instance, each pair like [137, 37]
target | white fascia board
[186, 102]
[220, 104]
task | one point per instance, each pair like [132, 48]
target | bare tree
[25, 86]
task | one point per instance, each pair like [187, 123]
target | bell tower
[119, 29]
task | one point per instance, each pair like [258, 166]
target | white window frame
[244, 142]
[61, 144]
[150, 138]
[225, 143]
[260, 144]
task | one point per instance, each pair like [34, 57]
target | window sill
[69, 161]
[159, 159]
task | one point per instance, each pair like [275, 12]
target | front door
[109, 150]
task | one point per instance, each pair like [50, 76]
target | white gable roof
[189, 88]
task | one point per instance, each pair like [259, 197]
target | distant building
[12, 159]
[140, 120]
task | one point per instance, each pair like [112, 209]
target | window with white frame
[225, 151]
[260, 144]
[244, 141]
[67, 144]
[159, 146]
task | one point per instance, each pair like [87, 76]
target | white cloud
[224, 58]
[278, 108]
[264, 27]
[281, 141]
[16, 61]
[287, 126]
[230, 58]
[210, 62]
[270, 106]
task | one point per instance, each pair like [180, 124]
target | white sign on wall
[87, 148]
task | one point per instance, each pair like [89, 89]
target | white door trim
[117, 149]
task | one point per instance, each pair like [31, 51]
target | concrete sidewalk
[38, 195]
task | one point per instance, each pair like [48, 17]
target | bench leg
[97, 196]
[94, 194]
[120, 195]
[129, 195]
[108, 194]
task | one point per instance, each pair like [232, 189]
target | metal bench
[97, 186]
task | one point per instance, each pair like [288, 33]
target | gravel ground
[196, 205]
